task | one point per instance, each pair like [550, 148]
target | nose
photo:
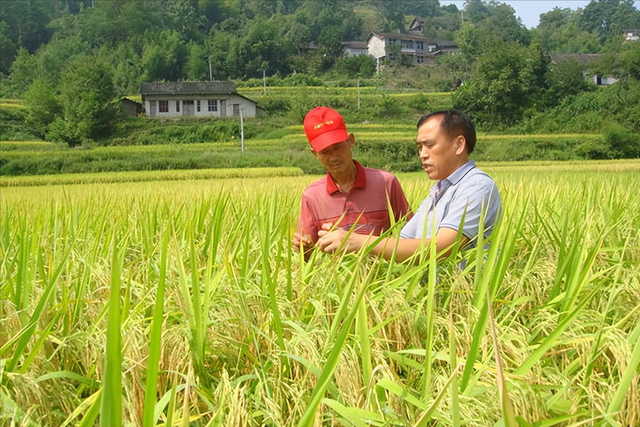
[422, 152]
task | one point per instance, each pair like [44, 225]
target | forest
[68, 60]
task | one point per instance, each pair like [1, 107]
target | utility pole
[241, 131]
[264, 82]
[358, 94]
[210, 73]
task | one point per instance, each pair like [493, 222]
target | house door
[236, 110]
[152, 108]
[188, 108]
[223, 108]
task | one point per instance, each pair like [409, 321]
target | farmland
[389, 146]
[178, 299]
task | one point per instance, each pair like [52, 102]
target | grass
[220, 323]
[140, 176]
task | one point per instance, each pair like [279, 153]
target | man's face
[337, 158]
[439, 153]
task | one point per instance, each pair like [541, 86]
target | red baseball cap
[324, 126]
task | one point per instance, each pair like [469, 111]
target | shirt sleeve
[413, 228]
[398, 200]
[306, 222]
[469, 202]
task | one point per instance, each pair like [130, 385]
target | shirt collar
[458, 174]
[360, 182]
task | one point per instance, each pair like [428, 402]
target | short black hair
[454, 123]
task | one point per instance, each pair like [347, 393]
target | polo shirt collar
[360, 182]
[458, 174]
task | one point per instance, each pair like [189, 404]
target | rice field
[180, 303]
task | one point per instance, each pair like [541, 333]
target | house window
[392, 41]
[420, 59]
[407, 44]
[420, 45]
[177, 106]
[198, 105]
[163, 106]
[213, 105]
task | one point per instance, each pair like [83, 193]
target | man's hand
[301, 241]
[331, 241]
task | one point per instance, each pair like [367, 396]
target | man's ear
[352, 140]
[461, 144]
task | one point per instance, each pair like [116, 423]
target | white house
[354, 48]
[196, 99]
[421, 50]
[632, 35]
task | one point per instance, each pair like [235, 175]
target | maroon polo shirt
[366, 205]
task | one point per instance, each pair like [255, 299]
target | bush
[388, 107]
[419, 102]
[621, 142]
[182, 132]
[12, 125]
[301, 79]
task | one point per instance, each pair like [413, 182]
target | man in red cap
[349, 195]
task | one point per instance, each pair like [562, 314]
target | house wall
[376, 47]
[351, 51]
[130, 108]
[227, 105]
[599, 80]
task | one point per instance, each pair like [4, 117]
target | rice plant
[181, 302]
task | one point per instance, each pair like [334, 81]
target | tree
[559, 32]
[197, 66]
[86, 97]
[215, 11]
[390, 14]
[265, 47]
[42, 107]
[361, 66]
[8, 48]
[607, 18]
[444, 24]
[505, 83]
[495, 21]
[566, 79]
[184, 19]
[164, 56]
[24, 70]
[112, 22]
[629, 61]
[27, 22]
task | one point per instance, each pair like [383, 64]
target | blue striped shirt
[466, 193]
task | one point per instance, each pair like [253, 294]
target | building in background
[196, 99]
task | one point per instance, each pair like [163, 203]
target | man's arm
[332, 241]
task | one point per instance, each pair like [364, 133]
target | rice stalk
[155, 339]
[111, 396]
[345, 322]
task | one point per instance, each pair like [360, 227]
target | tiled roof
[186, 88]
[582, 58]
